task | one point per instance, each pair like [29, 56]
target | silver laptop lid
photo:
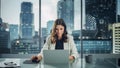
[56, 56]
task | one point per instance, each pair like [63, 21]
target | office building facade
[4, 39]
[94, 46]
[104, 13]
[116, 38]
[26, 20]
[90, 44]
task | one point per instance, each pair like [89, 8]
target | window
[94, 25]
[19, 22]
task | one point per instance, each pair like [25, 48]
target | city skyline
[14, 8]
[47, 12]
[88, 35]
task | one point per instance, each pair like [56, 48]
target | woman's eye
[55, 29]
[61, 29]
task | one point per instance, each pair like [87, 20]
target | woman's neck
[59, 38]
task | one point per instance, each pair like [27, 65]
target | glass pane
[48, 16]
[69, 11]
[65, 9]
[100, 33]
[19, 26]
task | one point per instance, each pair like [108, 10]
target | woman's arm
[73, 49]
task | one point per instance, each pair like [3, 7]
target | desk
[20, 64]
[93, 61]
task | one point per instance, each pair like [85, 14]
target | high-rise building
[104, 12]
[4, 38]
[26, 20]
[4, 42]
[49, 26]
[65, 10]
[116, 38]
[13, 28]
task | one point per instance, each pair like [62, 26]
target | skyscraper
[4, 38]
[104, 12]
[116, 38]
[26, 20]
[65, 10]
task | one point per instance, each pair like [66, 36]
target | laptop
[56, 56]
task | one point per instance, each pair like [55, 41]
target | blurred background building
[26, 20]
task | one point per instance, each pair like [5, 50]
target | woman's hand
[37, 58]
[71, 58]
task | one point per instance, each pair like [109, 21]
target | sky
[48, 11]
[10, 11]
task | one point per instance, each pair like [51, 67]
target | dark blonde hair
[53, 33]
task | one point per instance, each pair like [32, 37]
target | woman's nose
[59, 31]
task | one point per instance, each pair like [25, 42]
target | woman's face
[59, 30]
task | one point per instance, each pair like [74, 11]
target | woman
[59, 39]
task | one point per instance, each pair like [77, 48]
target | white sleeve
[73, 48]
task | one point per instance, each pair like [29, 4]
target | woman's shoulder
[69, 36]
[48, 37]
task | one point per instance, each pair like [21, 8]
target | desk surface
[100, 63]
[94, 61]
[20, 64]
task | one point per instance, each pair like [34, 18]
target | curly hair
[53, 33]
